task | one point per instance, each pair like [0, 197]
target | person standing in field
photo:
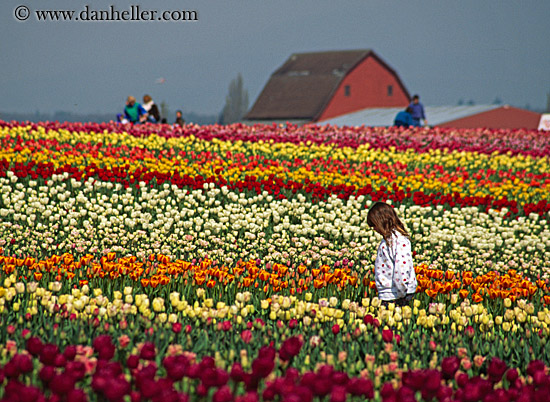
[417, 111]
[394, 273]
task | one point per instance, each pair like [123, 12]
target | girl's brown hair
[384, 220]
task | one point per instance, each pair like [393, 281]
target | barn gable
[307, 84]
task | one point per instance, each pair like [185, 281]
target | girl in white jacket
[394, 273]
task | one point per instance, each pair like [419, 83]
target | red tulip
[132, 361]
[496, 369]
[23, 363]
[387, 391]
[34, 346]
[338, 394]
[148, 351]
[361, 387]
[512, 375]
[449, 366]
[177, 327]
[534, 366]
[223, 394]
[290, 348]
[246, 336]
[61, 384]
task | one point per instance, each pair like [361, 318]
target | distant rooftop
[380, 117]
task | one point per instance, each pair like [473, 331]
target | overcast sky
[443, 50]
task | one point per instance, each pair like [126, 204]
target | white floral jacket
[394, 269]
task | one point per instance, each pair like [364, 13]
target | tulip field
[235, 263]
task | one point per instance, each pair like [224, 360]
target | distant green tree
[497, 101]
[236, 101]
[164, 110]
[471, 102]
[460, 102]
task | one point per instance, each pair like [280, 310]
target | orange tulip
[477, 298]
[432, 293]
[463, 293]
[449, 275]
[318, 284]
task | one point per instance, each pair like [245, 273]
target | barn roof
[507, 117]
[302, 87]
[436, 115]
[466, 116]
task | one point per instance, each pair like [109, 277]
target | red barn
[310, 87]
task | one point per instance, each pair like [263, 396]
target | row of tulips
[159, 270]
[441, 190]
[113, 370]
[349, 330]
[33, 300]
[364, 171]
[484, 141]
[65, 215]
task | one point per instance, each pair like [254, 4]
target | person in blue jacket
[404, 118]
[417, 111]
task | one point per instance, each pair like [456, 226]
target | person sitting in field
[179, 119]
[153, 114]
[121, 119]
[404, 118]
[134, 112]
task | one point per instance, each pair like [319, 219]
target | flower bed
[235, 263]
